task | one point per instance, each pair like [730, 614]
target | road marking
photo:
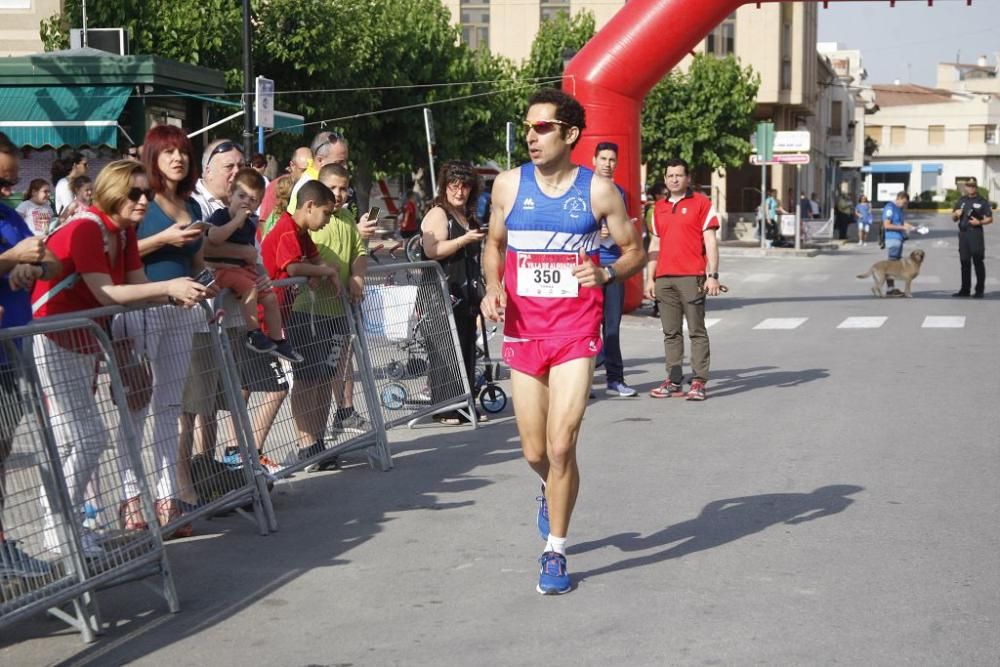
[943, 322]
[709, 322]
[862, 322]
[760, 277]
[781, 323]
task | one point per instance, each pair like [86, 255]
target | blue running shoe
[542, 520]
[553, 578]
[232, 457]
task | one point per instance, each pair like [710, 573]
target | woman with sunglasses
[170, 248]
[99, 253]
[452, 236]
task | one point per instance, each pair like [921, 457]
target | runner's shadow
[737, 381]
[721, 522]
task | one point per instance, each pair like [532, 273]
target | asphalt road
[835, 501]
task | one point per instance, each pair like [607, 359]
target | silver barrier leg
[264, 515]
[382, 453]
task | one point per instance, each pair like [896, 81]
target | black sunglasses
[7, 183]
[224, 147]
[135, 194]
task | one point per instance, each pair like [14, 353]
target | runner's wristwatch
[612, 275]
[713, 275]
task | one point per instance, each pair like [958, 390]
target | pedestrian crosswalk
[735, 278]
[862, 322]
[739, 321]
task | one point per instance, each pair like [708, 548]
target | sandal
[449, 419]
[167, 511]
[130, 515]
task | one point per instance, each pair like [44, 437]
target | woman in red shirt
[100, 261]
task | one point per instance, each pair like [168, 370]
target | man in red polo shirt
[682, 270]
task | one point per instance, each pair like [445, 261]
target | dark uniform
[971, 246]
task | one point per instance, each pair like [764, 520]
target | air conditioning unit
[112, 40]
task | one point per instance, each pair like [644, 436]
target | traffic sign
[781, 158]
[792, 142]
[764, 140]
[264, 106]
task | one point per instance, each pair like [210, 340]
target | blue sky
[907, 42]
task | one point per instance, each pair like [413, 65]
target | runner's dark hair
[568, 109]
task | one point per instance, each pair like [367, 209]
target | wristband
[171, 300]
[713, 275]
[611, 273]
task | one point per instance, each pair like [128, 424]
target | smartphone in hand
[373, 213]
[198, 224]
[205, 277]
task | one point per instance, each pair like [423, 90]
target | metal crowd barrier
[413, 344]
[329, 406]
[173, 406]
[63, 481]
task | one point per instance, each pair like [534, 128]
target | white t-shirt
[64, 195]
[38, 216]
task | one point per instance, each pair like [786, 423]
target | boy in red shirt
[288, 251]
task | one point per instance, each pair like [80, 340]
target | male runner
[543, 280]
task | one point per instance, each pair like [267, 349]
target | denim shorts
[894, 248]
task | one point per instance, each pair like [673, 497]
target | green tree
[704, 115]
[366, 68]
[557, 38]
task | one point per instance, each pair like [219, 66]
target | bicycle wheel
[414, 249]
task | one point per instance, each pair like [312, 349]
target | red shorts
[240, 280]
[537, 356]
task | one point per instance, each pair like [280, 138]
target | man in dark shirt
[972, 212]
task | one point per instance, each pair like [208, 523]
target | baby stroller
[492, 397]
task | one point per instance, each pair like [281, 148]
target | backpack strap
[73, 278]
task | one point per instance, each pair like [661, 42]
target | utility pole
[248, 83]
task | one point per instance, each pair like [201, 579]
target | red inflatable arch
[613, 72]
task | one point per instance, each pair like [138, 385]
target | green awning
[62, 115]
[289, 123]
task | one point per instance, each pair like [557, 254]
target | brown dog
[901, 269]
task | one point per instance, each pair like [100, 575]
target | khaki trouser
[674, 295]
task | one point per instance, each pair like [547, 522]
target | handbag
[134, 368]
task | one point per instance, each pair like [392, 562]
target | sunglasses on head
[543, 126]
[7, 183]
[331, 139]
[135, 194]
[224, 147]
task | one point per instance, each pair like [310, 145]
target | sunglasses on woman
[543, 126]
[135, 194]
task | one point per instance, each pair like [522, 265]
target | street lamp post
[247, 84]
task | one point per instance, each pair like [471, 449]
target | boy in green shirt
[319, 324]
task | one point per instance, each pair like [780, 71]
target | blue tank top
[545, 228]
[539, 222]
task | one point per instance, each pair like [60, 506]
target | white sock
[557, 544]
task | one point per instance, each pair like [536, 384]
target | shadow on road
[738, 380]
[720, 522]
[227, 567]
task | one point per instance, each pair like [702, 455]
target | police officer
[972, 212]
